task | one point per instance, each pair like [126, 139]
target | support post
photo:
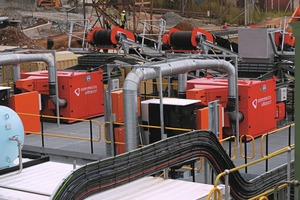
[296, 32]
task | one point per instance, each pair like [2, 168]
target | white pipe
[9, 59]
[15, 138]
[172, 67]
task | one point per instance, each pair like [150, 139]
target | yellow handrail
[213, 191]
[273, 154]
[253, 146]
[163, 83]
[234, 145]
[196, 169]
[263, 198]
[141, 125]
[65, 136]
[268, 192]
[269, 133]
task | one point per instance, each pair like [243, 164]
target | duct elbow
[61, 102]
[234, 116]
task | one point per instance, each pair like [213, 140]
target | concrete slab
[36, 32]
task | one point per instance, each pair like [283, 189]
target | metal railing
[144, 88]
[215, 189]
[266, 135]
[143, 126]
[229, 148]
[43, 134]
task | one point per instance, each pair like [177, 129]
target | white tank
[10, 125]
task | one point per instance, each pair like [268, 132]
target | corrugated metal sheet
[39, 179]
[150, 188]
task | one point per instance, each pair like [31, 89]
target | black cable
[115, 171]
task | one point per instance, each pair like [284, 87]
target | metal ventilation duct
[172, 67]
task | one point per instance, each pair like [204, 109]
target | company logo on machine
[264, 101]
[88, 78]
[264, 87]
[77, 92]
[254, 103]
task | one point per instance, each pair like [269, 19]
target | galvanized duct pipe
[172, 67]
[9, 59]
[182, 82]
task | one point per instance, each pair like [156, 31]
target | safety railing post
[227, 184]
[91, 137]
[245, 148]
[230, 148]
[42, 130]
[267, 151]
[293, 183]
[290, 134]
[193, 170]
[166, 173]
[293, 101]
[288, 178]
[145, 90]
[205, 172]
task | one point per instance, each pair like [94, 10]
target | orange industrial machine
[108, 38]
[259, 106]
[27, 106]
[118, 113]
[83, 92]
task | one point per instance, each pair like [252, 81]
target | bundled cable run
[115, 171]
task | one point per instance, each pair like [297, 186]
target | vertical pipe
[227, 184]
[57, 104]
[20, 156]
[112, 136]
[161, 108]
[91, 137]
[70, 34]
[169, 86]
[182, 82]
[237, 122]
[296, 33]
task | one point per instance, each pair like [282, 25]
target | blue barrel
[10, 125]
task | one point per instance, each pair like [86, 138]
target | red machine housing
[257, 102]
[83, 92]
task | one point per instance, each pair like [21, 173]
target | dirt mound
[172, 18]
[184, 26]
[12, 36]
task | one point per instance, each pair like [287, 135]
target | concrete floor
[71, 150]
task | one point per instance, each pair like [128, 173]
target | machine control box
[281, 94]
